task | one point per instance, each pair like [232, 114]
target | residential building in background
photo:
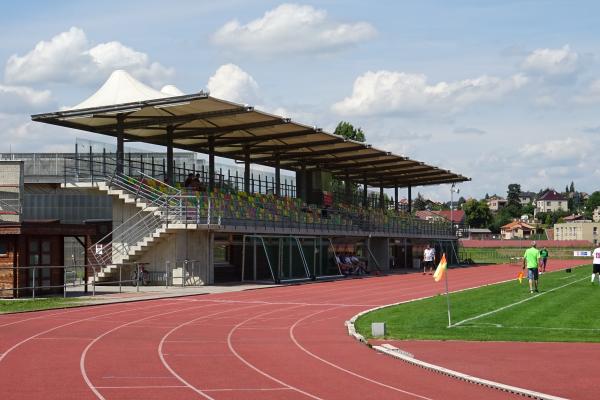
[495, 203]
[526, 198]
[551, 201]
[596, 215]
[577, 230]
[517, 230]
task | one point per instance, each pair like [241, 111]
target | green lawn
[501, 255]
[7, 306]
[566, 310]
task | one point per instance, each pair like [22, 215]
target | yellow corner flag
[441, 268]
[520, 277]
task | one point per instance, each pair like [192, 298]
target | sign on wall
[582, 253]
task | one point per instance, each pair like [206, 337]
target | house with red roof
[551, 201]
[517, 230]
[458, 216]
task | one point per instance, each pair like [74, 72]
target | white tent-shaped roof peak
[120, 88]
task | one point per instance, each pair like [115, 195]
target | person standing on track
[544, 255]
[428, 259]
[596, 265]
[531, 261]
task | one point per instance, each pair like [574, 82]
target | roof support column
[381, 199]
[396, 196]
[277, 175]
[211, 163]
[170, 176]
[120, 142]
[246, 169]
[348, 188]
[365, 194]
[409, 198]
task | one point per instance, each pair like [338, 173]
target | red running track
[279, 343]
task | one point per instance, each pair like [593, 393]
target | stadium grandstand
[237, 225]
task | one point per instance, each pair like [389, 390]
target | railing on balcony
[94, 167]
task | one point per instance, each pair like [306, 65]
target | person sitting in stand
[188, 181]
[359, 266]
[345, 268]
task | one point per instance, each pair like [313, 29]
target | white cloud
[469, 131]
[561, 61]
[292, 28]
[384, 92]
[567, 149]
[589, 95]
[232, 83]
[69, 57]
[20, 134]
[15, 99]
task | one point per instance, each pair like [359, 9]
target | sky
[500, 91]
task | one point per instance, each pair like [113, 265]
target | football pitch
[565, 310]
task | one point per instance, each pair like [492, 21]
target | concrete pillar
[365, 194]
[277, 176]
[170, 178]
[120, 142]
[247, 170]
[348, 188]
[211, 164]
[380, 251]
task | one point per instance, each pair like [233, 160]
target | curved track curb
[409, 358]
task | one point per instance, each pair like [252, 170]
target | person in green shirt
[531, 261]
[544, 255]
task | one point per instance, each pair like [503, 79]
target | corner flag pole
[448, 300]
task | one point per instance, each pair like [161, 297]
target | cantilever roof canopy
[198, 122]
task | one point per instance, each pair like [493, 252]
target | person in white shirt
[596, 266]
[428, 259]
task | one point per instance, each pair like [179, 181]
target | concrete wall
[11, 191]
[177, 246]
[380, 250]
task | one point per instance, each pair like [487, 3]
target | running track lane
[280, 343]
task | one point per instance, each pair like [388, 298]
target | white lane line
[253, 367]
[16, 345]
[293, 337]
[247, 389]
[142, 387]
[464, 377]
[275, 303]
[166, 364]
[89, 346]
[514, 304]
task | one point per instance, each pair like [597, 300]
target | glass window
[40, 254]
[34, 246]
[3, 248]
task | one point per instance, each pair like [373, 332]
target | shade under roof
[198, 120]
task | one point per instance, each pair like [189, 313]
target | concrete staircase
[126, 197]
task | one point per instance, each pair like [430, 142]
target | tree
[477, 213]
[419, 204]
[592, 202]
[513, 200]
[528, 209]
[347, 130]
[572, 188]
[501, 218]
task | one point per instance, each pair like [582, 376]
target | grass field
[565, 310]
[503, 255]
[7, 306]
